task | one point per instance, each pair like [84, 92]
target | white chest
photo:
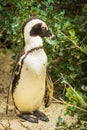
[30, 90]
[36, 61]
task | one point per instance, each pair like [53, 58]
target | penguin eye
[44, 29]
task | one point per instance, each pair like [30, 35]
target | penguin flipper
[49, 91]
[13, 82]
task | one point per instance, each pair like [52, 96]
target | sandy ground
[11, 121]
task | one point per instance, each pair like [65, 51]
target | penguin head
[35, 27]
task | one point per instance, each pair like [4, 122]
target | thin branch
[59, 101]
[2, 125]
[5, 103]
[72, 42]
[26, 127]
[81, 62]
[68, 104]
[84, 110]
[57, 80]
[81, 99]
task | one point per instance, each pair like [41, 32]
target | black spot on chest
[26, 69]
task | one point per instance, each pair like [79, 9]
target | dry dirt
[11, 121]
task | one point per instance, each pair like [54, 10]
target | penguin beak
[50, 35]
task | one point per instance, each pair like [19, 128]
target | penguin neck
[33, 42]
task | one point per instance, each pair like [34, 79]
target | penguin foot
[41, 116]
[28, 117]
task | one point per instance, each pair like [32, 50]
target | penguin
[31, 84]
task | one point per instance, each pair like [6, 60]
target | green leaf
[60, 119]
[72, 33]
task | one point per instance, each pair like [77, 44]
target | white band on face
[44, 26]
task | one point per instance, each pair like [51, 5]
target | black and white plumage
[31, 84]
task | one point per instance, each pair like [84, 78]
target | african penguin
[28, 85]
